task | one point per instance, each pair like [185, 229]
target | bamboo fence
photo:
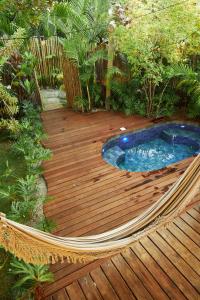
[49, 54]
[51, 61]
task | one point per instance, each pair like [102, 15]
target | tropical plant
[84, 57]
[21, 69]
[30, 279]
[33, 152]
[188, 82]
[155, 42]
[83, 24]
[6, 191]
[8, 102]
[46, 225]
[126, 97]
[24, 13]
[22, 211]
[27, 187]
[80, 103]
[28, 139]
[25, 191]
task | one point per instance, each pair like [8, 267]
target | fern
[189, 82]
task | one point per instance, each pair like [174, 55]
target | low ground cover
[22, 153]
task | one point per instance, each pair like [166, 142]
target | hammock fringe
[37, 247]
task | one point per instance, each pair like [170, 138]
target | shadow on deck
[91, 196]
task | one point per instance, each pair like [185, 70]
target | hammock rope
[38, 247]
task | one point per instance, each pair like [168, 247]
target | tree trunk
[108, 76]
[89, 98]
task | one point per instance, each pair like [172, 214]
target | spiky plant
[31, 277]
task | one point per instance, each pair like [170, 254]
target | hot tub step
[113, 155]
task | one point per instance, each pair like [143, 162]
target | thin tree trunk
[147, 98]
[89, 98]
[160, 100]
[108, 76]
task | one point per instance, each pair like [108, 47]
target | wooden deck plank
[121, 287]
[91, 196]
[177, 260]
[162, 277]
[131, 279]
[191, 233]
[60, 295]
[75, 292]
[143, 274]
[164, 260]
[185, 240]
[178, 247]
[89, 288]
[104, 286]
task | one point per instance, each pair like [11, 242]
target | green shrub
[126, 97]
[29, 279]
[22, 211]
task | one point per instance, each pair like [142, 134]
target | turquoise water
[153, 148]
[154, 155]
[185, 133]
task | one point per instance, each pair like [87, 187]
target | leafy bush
[22, 211]
[33, 152]
[28, 139]
[8, 102]
[24, 191]
[126, 97]
[25, 198]
[188, 84]
[46, 225]
[81, 103]
[165, 105]
[27, 188]
[155, 43]
[30, 278]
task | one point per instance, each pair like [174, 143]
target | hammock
[38, 247]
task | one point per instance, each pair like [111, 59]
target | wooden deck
[91, 196]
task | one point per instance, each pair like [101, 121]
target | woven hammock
[38, 247]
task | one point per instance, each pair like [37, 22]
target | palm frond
[183, 70]
[96, 56]
[114, 71]
[34, 274]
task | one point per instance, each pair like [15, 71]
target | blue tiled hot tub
[153, 148]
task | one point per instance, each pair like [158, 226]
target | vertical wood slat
[50, 57]
[71, 81]
[46, 66]
[49, 54]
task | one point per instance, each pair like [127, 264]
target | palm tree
[83, 26]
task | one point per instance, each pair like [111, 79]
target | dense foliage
[8, 102]
[24, 198]
[135, 56]
[24, 13]
[155, 41]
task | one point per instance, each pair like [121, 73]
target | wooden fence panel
[49, 54]
[50, 59]
[71, 81]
